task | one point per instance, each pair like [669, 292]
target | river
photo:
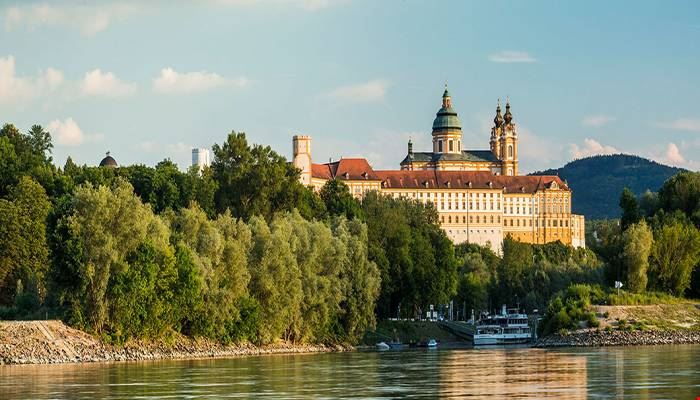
[652, 372]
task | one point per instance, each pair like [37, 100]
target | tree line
[655, 246]
[237, 252]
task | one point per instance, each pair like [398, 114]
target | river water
[652, 372]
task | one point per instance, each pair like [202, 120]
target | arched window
[451, 145]
[439, 146]
[510, 151]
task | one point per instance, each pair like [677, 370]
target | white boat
[508, 327]
[432, 343]
[383, 346]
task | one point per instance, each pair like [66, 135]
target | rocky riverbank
[53, 342]
[594, 338]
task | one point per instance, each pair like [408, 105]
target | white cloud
[179, 148]
[597, 121]
[368, 92]
[105, 84]
[68, 133]
[591, 147]
[536, 152]
[15, 88]
[510, 56]
[88, 19]
[171, 81]
[683, 124]
[147, 146]
[673, 155]
[98, 83]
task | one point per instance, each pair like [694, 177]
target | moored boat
[508, 327]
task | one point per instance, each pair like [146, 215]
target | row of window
[515, 222]
[451, 145]
[550, 223]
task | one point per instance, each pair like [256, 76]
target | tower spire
[508, 117]
[498, 119]
[446, 98]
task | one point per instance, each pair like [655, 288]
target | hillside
[598, 181]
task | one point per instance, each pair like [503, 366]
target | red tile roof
[359, 169]
[464, 179]
[354, 169]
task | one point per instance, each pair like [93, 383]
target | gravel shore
[53, 342]
[597, 338]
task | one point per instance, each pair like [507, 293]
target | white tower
[200, 158]
[301, 149]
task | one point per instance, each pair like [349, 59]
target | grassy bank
[408, 332]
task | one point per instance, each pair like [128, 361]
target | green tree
[253, 180]
[24, 252]
[218, 251]
[673, 256]
[106, 225]
[638, 241]
[339, 201]
[511, 272]
[414, 256]
[682, 192]
[360, 279]
[630, 209]
[40, 141]
[141, 293]
[275, 278]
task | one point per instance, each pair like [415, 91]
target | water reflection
[514, 373]
[641, 372]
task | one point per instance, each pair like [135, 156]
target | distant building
[479, 196]
[109, 162]
[200, 158]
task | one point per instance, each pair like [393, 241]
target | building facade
[479, 196]
[200, 158]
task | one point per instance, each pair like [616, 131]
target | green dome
[446, 118]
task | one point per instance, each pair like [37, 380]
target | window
[449, 219]
[439, 146]
[451, 145]
[459, 145]
[471, 219]
[477, 219]
[510, 151]
[464, 219]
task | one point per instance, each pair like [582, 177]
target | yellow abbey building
[479, 196]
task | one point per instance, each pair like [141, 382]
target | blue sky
[150, 80]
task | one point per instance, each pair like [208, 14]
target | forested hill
[598, 181]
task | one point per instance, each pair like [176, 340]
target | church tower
[301, 150]
[508, 144]
[447, 129]
[496, 132]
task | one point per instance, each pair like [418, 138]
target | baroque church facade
[479, 196]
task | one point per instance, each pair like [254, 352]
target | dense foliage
[525, 274]
[598, 181]
[242, 252]
[141, 252]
